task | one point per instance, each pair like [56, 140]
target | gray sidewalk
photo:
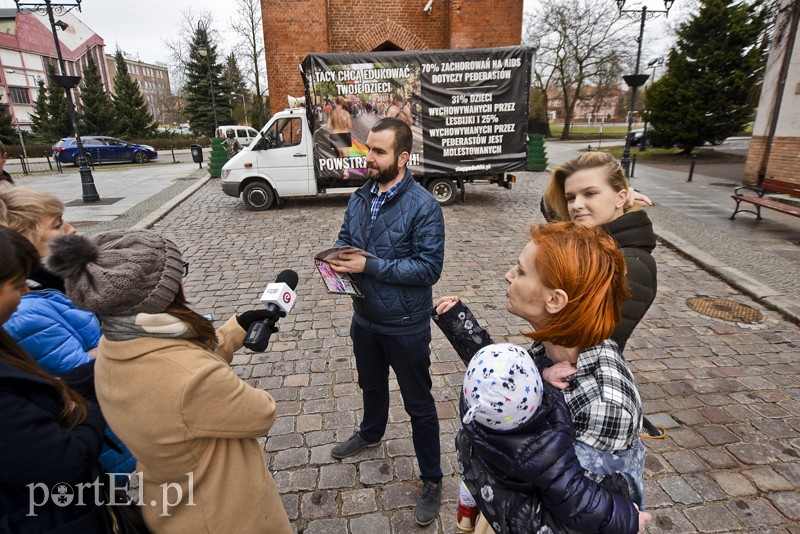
[130, 195]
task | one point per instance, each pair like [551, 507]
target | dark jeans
[409, 356]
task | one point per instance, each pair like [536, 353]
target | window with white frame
[19, 95]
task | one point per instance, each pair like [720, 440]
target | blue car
[103, 149]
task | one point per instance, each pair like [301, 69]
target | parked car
[103, 149]
[244, 134]
[636, 136]
[652, 138]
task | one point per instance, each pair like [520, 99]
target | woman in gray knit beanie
[165, 386]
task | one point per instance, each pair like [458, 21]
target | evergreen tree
[96, 111]
[712, 71]
[134, 120]
[8, 134]
[60, 123]
[40, 118]
[198, 107]
[235, 86]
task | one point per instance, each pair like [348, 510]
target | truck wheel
[443, 189]
[258, 196]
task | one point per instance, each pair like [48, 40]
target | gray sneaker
[428, 505]
[352, 445]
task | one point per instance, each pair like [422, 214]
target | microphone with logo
[279, 298]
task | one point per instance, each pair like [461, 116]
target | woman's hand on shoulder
[558, 375]
[644, 518]
[636, 198]
[445, 304]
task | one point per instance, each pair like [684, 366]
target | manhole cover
[725, 309]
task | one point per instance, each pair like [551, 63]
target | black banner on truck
[467, 109]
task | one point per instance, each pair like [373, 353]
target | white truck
[467, 109]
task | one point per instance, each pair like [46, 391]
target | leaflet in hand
[338, 283]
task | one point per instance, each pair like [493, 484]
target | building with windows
[153, 79]
[595, 106]
[27, 46]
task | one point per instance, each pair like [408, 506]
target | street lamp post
[244, 105]
[204, 51]
[89, 192]
[637, 80]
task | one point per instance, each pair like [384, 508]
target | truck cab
[277, 164]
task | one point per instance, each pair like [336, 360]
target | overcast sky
[140, 26]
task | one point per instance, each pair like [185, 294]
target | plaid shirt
[603, 399]
[379, 199]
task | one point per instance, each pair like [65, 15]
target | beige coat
[192, 424]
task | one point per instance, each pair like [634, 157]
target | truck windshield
[289, 132]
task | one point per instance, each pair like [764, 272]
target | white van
[244, 134]
[280, 164]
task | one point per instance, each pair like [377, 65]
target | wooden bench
[767, 186]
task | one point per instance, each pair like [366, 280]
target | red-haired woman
[569, 284]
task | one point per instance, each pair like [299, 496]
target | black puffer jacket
[634, 233]
[38, 454]
[529, 480]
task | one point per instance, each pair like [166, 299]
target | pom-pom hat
[502, 387]
[118, 273]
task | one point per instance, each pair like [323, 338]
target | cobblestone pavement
[728, 393]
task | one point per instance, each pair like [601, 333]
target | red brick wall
[784, 159]
[294, 28]
[485, 23]
[363, 25]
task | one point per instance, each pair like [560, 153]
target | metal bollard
[58, 166]
[172, 149]
[22, 162]
[49, 163]
[691, 167]
[633, 165]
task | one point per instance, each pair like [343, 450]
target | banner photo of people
[467, 109]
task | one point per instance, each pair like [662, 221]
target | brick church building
[294, 28]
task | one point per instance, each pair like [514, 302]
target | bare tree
[167, 108]
[578, 42]
[178, 46]
[247, 25]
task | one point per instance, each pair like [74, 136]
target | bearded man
[400, 223]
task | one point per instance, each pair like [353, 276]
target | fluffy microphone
[279, 298]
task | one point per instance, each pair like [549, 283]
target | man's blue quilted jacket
[408, 240]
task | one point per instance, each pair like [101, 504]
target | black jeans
[409, 356]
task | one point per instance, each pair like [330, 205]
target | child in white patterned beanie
[502, 390]
[502, 387]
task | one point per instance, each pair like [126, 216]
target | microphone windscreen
[288, 277]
